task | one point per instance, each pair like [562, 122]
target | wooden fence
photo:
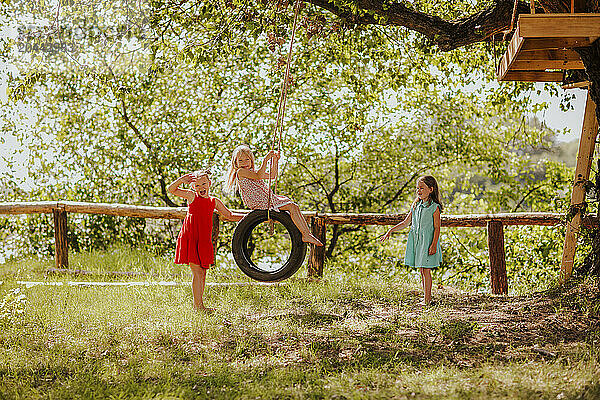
[318, 221]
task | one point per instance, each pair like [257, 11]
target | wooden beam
[34, 207]
[533, 76]
[585, 155]
[555, 43]
[498, 278]
[577, 85]
[61, 246]
[509, 56]
[548, 54]
[540, 65]
[559, 25]
[473, 220]
[125, 210]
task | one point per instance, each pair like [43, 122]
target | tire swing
[242, 236]
[242, 254]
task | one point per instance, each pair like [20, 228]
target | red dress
[194, 243]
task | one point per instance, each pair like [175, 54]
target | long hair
[431, 183]
[232, 183]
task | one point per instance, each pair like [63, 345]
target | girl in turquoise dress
[423, 248]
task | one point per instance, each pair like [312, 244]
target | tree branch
[526, 196]
[138, 134]
[447, 35]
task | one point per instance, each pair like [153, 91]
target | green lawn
[345, 337]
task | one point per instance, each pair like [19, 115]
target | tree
[370, 108]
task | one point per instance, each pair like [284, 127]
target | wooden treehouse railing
[318, 221]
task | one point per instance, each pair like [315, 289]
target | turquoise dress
[420, 237]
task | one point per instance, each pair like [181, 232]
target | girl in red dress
[194, 243]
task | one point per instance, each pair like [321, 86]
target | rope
[278, 130]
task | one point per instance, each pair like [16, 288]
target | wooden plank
[559, 25]
[585, 156]
[125, 210]
[38, 207]
[540, 65]
[576, 85]
[497, 257]
[533, 76]
[548, 54]
[472, 220]
[555, 43]
[509, 56]
[61, 248]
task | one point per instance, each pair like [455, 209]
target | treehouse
[542, 49]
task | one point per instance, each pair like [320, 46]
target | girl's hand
[386, 236]
[432, 249]
[187, 178]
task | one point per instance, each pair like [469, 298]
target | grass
[348, 337]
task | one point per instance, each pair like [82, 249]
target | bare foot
[312, 239]
[425, 303]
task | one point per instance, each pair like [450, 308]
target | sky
[556, 119]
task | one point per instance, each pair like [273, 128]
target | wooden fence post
[215, 231]
[497, 259]
[61, 254]
[316, 259]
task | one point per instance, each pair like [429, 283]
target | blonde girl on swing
[256, 194]
[250, 182]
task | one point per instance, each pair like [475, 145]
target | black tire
[241, 255]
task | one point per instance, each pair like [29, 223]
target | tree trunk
[591, 60]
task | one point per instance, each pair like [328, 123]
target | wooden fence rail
[318, 222]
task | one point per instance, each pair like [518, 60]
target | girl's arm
[261, 173]
[437, 223]
[185, 193]
[406, 222]
[226, 212]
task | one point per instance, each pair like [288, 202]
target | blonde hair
[232, 182]
[199, 174]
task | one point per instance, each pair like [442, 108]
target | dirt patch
[461, 329]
